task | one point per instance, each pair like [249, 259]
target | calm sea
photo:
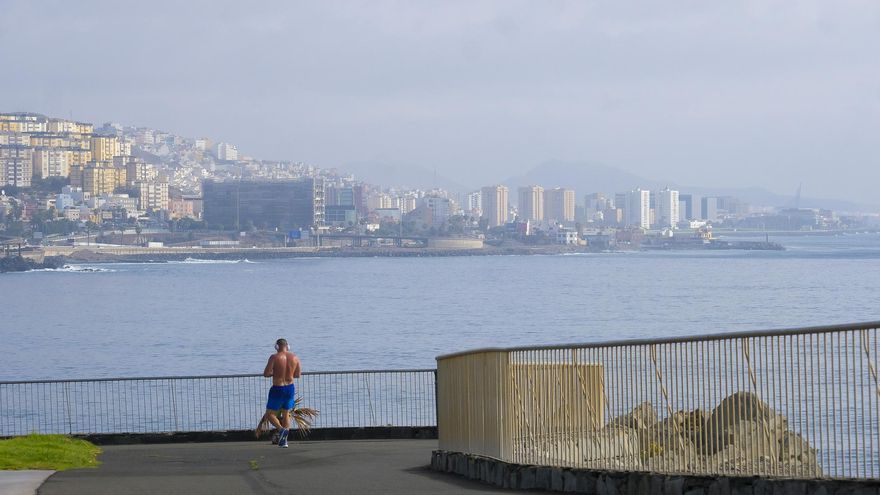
[197, 317]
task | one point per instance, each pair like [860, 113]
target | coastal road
[360, 466]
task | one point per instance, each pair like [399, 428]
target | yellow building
[531, 203]
[50, 140]
[104, 148]
[97, 178]
[84, 128]
[559, 204]
[494, 200]
[78, 156]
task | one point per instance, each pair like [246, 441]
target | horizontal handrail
[675, 340]
[207, 377]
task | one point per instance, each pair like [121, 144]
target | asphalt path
[319, 467]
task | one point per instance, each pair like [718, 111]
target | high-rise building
[494, 202]
[709, 209]
[97, 178]
[637, 212]
[284, 205]
[667, 209]
[227, 152]
[136, 170]
[104, 148]
[686, 207]
[531, 203]
[475, 204]
[23, 122]
[51, 162]
[559, 204]
[153, 195]
[16, 165]
[595, 205]
[441, 208]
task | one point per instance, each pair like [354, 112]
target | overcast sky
[766, 93]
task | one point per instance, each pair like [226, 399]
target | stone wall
[521, 477]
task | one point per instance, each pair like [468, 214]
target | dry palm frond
[303, 417]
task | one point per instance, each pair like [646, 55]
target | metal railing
[212, 403]
[802, 403]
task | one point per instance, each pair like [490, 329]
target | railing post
[67, 405]
[436, 404]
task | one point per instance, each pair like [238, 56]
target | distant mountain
[587, 177]
[401, 175]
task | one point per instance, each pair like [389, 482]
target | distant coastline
[95, 256]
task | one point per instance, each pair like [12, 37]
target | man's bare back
[283, 367]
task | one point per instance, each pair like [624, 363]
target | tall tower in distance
[559, 204]
[531, 203]
[668, 214]
[495, 205]
[638, 208]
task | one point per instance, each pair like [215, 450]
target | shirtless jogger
[283, 367]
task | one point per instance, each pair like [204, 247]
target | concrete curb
[369, 433]
[526, 477]
[25, 482]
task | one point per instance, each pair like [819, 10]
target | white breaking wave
[75, 269]
[195, 261]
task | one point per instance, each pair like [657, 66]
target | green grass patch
[55, 452]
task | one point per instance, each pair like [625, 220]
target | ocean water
[201, 317]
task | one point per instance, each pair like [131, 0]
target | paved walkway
[363, 467]
[22, 482]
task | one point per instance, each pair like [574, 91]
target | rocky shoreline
[21, 264]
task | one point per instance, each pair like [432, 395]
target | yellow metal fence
[801, 403]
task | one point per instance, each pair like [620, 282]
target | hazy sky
[768, 93]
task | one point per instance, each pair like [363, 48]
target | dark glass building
[285, 205]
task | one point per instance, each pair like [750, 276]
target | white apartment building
[475, 204]
[14, 139]
[51, 162]
[227, 152]
[667, 210]
[638, 209]
[153, 196]
[441, 208]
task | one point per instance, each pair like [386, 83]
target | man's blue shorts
[281, 397]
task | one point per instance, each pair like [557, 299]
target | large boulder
[737, 412]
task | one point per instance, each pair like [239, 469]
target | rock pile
[741, 436]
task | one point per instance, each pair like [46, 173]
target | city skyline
[728, 96]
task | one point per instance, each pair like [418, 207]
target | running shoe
[282, 438]
[275, 437]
